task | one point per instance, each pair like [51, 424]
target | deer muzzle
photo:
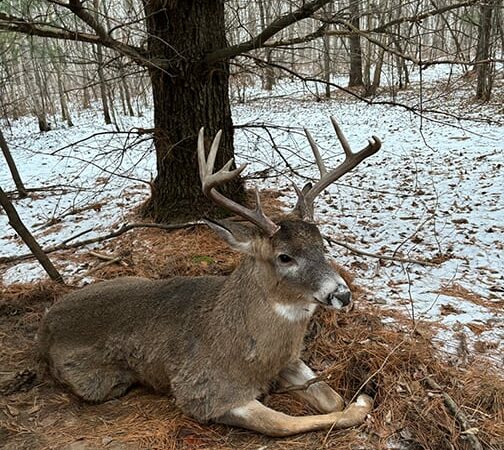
[340, 299]
[335, 293]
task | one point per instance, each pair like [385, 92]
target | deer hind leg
[257, 417]
[89, 379]
[319, 394]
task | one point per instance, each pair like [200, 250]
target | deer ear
[238, 237]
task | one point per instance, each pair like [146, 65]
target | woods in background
[188, 56]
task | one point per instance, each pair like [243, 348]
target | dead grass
[458, 291]
[354, 352]
[349, 350]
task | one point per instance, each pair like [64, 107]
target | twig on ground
[75, 236]
[456, 412]
[111, 261]
[122, 230]
[104, 257]
[377, 255]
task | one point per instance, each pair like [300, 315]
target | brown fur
[216, 343]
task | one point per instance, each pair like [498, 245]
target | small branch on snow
[421, 262]
[468, 431]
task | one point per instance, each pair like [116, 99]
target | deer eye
[283, 258]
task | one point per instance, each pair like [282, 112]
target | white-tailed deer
[215, 343]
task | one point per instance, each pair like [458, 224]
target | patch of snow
[434, 191]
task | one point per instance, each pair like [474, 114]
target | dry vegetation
[355, 351]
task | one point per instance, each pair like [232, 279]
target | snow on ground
[433, 192]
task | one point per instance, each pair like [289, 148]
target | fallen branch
[23, 232]
[104, 257]
[456, 412]
[100, 266]
[421, 262]
[127, 227]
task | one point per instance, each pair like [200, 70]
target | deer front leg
[257, 417]
[319, 394]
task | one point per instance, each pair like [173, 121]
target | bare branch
[23, 26]
[303, 12]
[28, 239]
[457, 413]
[126, 227]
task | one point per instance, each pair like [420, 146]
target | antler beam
[210, 180]
[306, 198]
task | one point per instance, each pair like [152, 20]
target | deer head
[289, 253]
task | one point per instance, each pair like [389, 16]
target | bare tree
[12, 167]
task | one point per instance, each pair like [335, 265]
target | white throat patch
[294, 313]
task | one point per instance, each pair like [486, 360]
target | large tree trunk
[187, 96]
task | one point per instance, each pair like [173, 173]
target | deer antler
[306, 197]
[210, 180]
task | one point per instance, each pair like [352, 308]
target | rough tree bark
[187, 95]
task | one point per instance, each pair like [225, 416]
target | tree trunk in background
[12, 167]
[327, 65]
[86, 98]
[355, 47]
[402, 68]
[268, 77]
[485, 71]
[103, 85]
[127, 95]
[326, 41]
[65, 113]
[40, 110]
[187, 96]
[34, 91]
[101, 74]
[28, 239]
[373, 85]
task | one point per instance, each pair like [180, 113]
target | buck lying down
[215, 343]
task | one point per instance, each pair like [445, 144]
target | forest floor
[431, 200]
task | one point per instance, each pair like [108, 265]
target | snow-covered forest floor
[432, 194]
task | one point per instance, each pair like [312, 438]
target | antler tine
[343, 141]
[316, 153]
[210, 180]
[305, 202]
[213, 153]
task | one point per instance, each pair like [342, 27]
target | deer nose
[340, 298]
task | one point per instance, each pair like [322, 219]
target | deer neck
[260, 292]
